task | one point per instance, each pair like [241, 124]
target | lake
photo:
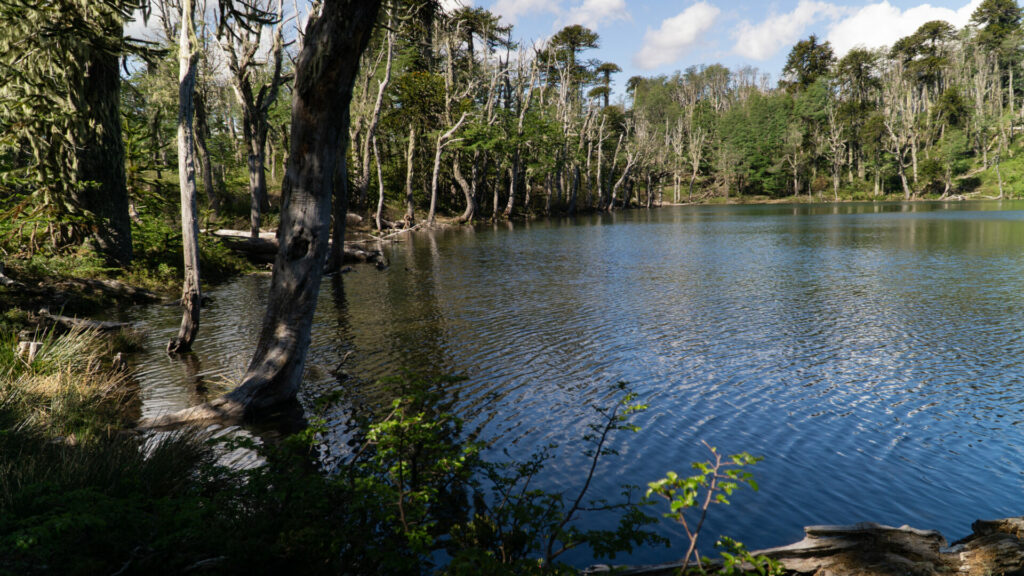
[873, 354]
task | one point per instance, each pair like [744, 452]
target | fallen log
[869, 549]
[264, 250]
[111, 288]
[82, 323]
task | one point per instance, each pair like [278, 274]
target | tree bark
[512, 185]
[380, 185]
[190, 294]
[467, 191]
[240, 42]
[100, 157]
[364, 178]
[410, 204]
[442, 141]
[202, 133]
[325, 73]
[257, 181]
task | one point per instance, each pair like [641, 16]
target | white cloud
[510, 10]
[450, 6]
[882, 24]
[593, 13]
[676, 35]
[764, 40]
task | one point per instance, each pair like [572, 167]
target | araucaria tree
[60, 126]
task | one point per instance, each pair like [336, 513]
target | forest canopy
[450, 115]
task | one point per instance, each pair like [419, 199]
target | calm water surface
[871, 353]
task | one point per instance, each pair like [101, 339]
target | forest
[451, 116]
[121, 156]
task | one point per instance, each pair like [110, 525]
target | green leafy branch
[716, 481]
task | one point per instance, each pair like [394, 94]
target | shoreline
[870, 549]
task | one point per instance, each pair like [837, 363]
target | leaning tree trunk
[325, 72]
[190, 296]
[442, 141]
[100, 158]
[467, 192]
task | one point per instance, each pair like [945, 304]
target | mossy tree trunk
[100, 156]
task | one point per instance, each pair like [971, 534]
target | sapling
[690, 498]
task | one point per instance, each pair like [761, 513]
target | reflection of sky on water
[870, 352]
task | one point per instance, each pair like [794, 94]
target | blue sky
[659, 37]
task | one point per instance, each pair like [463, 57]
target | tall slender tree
[191, 297]
[326, 70]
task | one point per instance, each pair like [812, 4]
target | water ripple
[872, 353]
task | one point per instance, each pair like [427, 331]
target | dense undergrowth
[82, 494]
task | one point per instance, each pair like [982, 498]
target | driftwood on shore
[869, 549]
[81, 323]
[264, 248]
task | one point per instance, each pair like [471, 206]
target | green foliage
[159, 261]
[54, 57]
[736, 559]
[997, 20]
[414, 491]
[756, 133]
[690, 498]
[807, 61]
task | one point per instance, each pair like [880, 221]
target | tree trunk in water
[326, 70]
[410, 205]
[101, 158]
[559, 187]
[202, 133]
[190, 295]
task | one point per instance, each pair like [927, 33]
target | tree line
[910, 119]
[446, 113]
